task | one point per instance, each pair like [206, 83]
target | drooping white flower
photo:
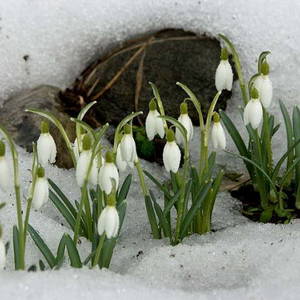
[41, 190]
[4, 169]
[2, 252]
[109, 222]
[264, 85]
[83, 163]
[46, 148]
[108, 173]
[154, 124]
[224, 74]
[171, 153]
[77, 146]
[186, 121]
[127, 146]
[121, 164]
[253, 112]
[217, 133]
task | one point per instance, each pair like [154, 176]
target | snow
[240, 259]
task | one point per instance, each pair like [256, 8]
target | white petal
[108, 172]
[218, 136]
[171, 157]
[253, 113]
[93, 176]
[2, 255]
[159, 125]
[112, 222]
[150, 125]
[4, 174]
[121, 164]
[266, 91]
[128, 148]
[82, 167]
[224, 76]
[101, 221]
[186, 121]
[46, 149]
[40, 193]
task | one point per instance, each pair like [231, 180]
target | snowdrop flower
[108, 172]
[224, 74]
[41, 189]
[154, 124]
[264, 85]
[46, 148]
[171, 153]
[217, 133]
[77, 146]
[186, 121]
[109, 221]
[253, 112]
[4, 170]
[2, 252]
[127, 145]
[84, 162]
[121, 164]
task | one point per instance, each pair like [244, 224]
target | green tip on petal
[40, 172]
[86, 142]
[109, 157]
[44, 127]
[183, 108]
[152, 105]
[265, 68]
[127, 129]
[111, 198]
[170, 135]
[254, 93]
[2, 148]
[224, 54]
[216, 117]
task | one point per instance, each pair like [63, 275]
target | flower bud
[109, 221]
[41, 189]
[186, 121]
[127, 146]
[46, 148]
[171, 153]
[217, 133]
[224, 74]
[154, 124]
[253, 112]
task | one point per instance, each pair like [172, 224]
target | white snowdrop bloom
[121, 164]
[224, 74]
[41, 190]
[171, 153]
[264, 86]
[2, 254]
[253, 112]
[154, 124]
[4, 169]
[46, 148]
[84, 162]
[217, 133]
[127, 146]
[186, 121]
[107, 173]
[109, 222]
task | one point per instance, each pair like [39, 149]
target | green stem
[78, 217]
[141, 175]
[98, 250]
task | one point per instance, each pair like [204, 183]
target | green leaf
[39, 242]
[152, 218]
[107, 252]
[123, 192]
[157, 183]
[86, 126]
[16, 247]
[194, 208]
[289, 133]
[42, 265]
[63, 198]
[297, 202]
[2, 205]
[62, 209]
[73, 252]
[162, 219]
[121, 207]
[266, 215]
[296, 128]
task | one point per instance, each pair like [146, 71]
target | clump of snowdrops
[278, 185]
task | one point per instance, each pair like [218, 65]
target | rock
[24, 126]
[167, 57]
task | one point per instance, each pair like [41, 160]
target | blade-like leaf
[122, 194]
[39, 242]
[73, 252]
[152, 218]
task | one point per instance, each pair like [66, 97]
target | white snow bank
[240, 260]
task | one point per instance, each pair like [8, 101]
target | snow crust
[241, 259]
